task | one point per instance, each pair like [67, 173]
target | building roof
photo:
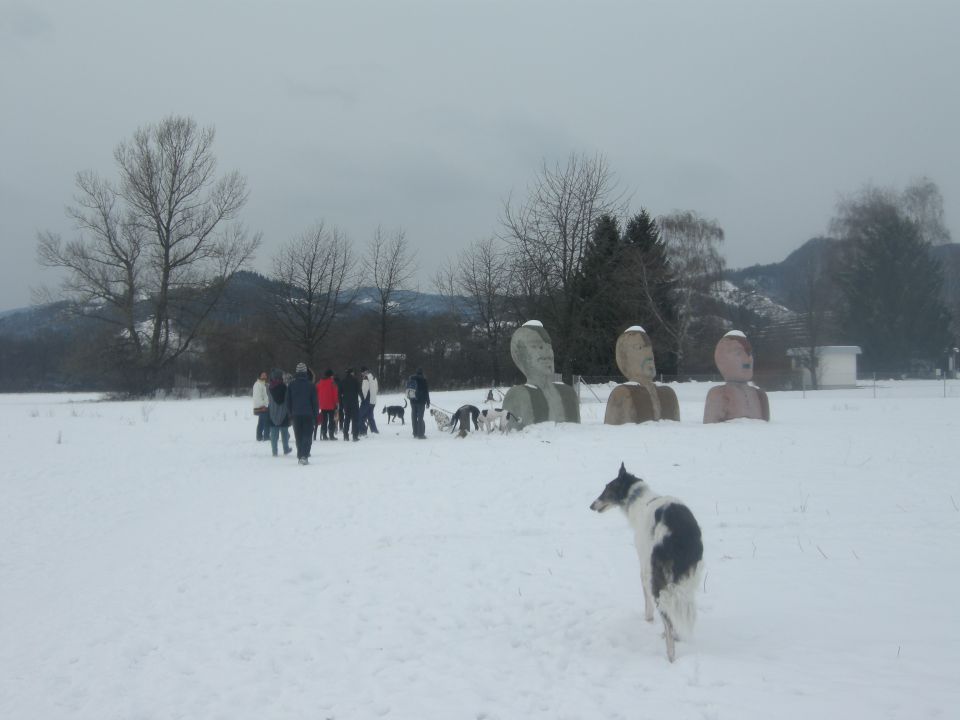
[827, 350]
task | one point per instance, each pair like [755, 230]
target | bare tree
[481, 276]
[315, 274]
[388, 266]
[156, 248]
[547, 235]
[693, 248]
[922, 202]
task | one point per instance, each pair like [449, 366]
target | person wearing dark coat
[303, 408]
[419, 402]
[350, 405]
[279, 415]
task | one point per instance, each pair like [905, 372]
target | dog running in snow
[670, 549]
[463, 416]
[395, 411]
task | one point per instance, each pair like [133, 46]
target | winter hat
[301, 368]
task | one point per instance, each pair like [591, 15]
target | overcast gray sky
[426, 114]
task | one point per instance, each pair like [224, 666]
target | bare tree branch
[316, 272]
[155, 250]
[388, 266]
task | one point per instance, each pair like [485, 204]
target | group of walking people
[327, 406]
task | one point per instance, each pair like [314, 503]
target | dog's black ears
[623, 470]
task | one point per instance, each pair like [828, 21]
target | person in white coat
[261, 406]
[368, 401]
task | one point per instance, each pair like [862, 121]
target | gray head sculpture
[542, 398]
[532, 353]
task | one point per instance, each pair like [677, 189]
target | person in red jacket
[328, 396]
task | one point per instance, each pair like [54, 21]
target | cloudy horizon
[426, 115]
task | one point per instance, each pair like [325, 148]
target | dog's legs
[669, 635]
[647, 593]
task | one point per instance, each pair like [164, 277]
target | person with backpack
[418, 393]
[279, 413]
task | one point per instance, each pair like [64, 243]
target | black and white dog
[670, 549]
[498, 418]
[463, 416]
[395, 411]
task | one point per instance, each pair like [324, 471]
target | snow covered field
[156, 562]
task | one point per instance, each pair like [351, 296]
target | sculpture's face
[533, 353]
[734, 358]
[635, 357]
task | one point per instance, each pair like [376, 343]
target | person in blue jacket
[304, 408]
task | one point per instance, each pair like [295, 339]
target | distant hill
[247, 295]
[765, 291]
[778, 281]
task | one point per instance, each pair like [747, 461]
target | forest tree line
[153, 283]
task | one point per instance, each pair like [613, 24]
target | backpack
[412, 387]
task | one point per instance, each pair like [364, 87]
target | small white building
[836, 366]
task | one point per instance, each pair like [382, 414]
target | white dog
[670, 549]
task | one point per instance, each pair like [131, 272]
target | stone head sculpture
[532, 353]
[635, 355]
[734, 357]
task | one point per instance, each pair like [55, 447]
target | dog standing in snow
[670, 549]
[442, 419]
[462, 417]
[498, 418]
[395, 411]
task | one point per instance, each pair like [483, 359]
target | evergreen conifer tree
[647, 268]
[599, 316]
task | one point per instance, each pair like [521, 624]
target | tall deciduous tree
[693, 249]
[481, 277]
[388, 267]
[315, 276]
[891, 283]
[548, 234]
[922, 202]
[156, 246]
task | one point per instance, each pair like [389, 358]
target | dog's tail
[404, 402]
[678, 602]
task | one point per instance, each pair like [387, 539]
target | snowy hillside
[157, 562]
